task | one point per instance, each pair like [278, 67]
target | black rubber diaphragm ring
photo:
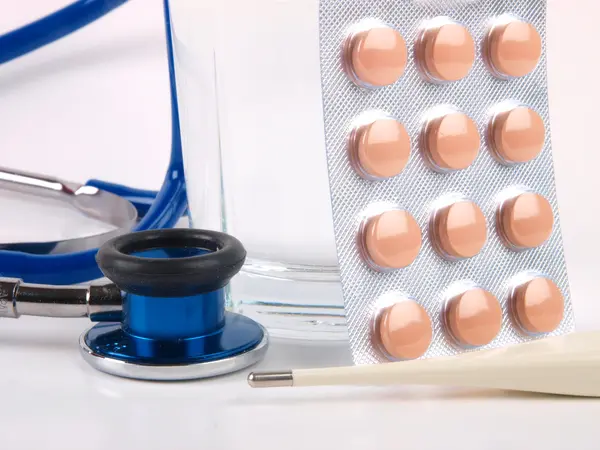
[171, 277]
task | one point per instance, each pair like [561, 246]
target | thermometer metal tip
[271, 379]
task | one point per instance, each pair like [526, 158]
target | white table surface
[52, 399]
[107, 88]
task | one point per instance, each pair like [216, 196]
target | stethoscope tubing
[53, 27]
[170, 202]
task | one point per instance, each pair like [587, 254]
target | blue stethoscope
[162, 316]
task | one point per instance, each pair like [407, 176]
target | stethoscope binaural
[163, 315]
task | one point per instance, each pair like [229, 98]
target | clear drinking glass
[249, 89]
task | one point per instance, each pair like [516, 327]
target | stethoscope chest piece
[174, 324]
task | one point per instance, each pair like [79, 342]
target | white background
[96, 105]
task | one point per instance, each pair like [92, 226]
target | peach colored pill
[514, 48]
[518, 135]
[461, 229]
[452, 141]
[539, 305]
[474, 318]
[448, 52]
[378, 56]
[405, 330]
[527, 220]
[393, 239]
[383, 148]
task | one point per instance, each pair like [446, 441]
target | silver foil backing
[417, 187]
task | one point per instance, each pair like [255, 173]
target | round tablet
[377, 56]
[460, 229]
[474, 318]
[405, 330]
[514, 48]
[518, 135]
[539, 305]
[446, 52]
[392, 239]
[452, 141]
[526, 220]
[382, 148]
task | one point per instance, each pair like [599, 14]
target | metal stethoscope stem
[98, 302]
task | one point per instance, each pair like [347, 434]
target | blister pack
[441, 175]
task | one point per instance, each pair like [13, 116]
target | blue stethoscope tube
[158, 210]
